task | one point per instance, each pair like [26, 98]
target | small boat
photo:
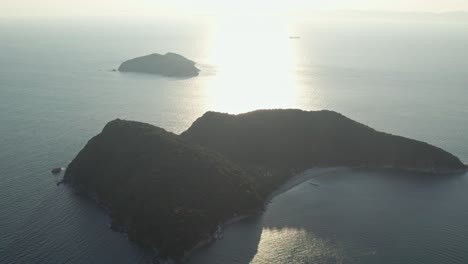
[314, 184]
[294, 37]
[56, 170]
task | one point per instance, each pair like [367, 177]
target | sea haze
[406, 78]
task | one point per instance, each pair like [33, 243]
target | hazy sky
[170, 7]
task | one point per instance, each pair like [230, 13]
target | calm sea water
[407, 78]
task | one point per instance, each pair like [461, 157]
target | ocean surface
[403, 77]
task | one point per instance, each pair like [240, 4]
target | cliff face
[169, 64]
[301, 139]
[163, 191]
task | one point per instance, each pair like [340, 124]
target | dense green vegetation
[300, 139]
[163, 191]
[171, 191]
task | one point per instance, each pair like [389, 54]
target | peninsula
[304, 139]
[169, 64]
[172, 192]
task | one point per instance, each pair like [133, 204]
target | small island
[169, 65]
[174, 192]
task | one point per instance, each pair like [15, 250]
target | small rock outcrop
[56, 170]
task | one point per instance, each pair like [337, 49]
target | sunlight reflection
[292, 245]
[255, 62]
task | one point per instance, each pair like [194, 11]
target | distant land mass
[169, 64]
[173, 193]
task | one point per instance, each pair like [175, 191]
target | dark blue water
[353, 216]
[56, 92]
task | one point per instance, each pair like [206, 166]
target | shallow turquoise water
[56, 92]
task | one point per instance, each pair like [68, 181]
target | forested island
[169, 64]
[172, 192]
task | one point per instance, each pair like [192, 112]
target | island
[173, 192]
[169, 65]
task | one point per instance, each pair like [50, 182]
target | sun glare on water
[292, 245]
[255, 66]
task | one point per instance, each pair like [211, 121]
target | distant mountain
[172, 192]
[169, 64]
